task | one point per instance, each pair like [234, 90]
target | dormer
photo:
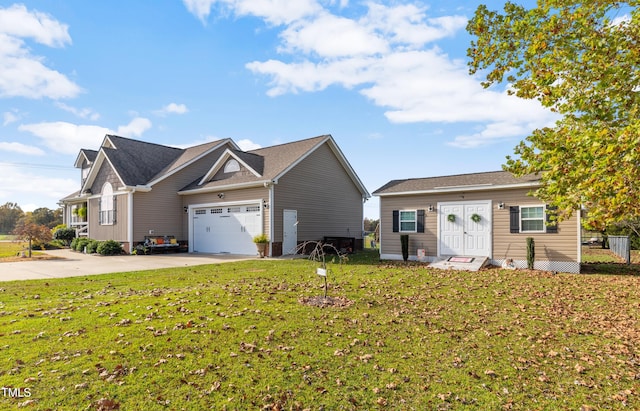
[84, 162]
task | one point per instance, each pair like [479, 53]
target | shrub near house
[109, 247]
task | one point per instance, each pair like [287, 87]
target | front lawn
[236, 336]
[12, 249]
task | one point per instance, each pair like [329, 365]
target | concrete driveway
[71, 264]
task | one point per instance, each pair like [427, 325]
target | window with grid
[408, 221]
[532, 219]
[107, 214]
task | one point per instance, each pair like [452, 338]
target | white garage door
[228, 229]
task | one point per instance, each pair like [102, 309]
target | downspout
[271, 209]
[364, 239]
[130, 219]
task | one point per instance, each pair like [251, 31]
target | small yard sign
[321, 271]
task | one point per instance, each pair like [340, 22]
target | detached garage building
[215, 197]
[479, 216]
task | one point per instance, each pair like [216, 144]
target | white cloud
[135, 128]
[388, 55]
[25, 75]
[68, 138]
[248, 145]
[44, 190]
[408, 24]
[172, 108]
[332, 36]
[199, 8]
[274, 12]
[17, 21]
[80, 112]
[21, 149]
[9, 117]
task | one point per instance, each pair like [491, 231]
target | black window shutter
[396, 221]
[420, 221]
[115, 203]
[514, 219]
[552, 226]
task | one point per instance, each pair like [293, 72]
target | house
[215, 197]
[475, 215]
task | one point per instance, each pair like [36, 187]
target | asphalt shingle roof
[270, 162]
[491, 178]
[141, 163]
[137, 162]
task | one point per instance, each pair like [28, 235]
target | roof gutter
[262, 183]
[140, 188]
[457, 189]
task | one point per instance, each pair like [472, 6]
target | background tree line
[11, 214]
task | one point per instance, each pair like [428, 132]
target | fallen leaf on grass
[105, 404]
[26, 403]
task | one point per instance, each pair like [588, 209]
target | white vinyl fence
[621, 246]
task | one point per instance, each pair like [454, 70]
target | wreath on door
[451, 218]
[475, 218]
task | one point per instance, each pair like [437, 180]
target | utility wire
[32, 165]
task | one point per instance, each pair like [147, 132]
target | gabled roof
[190, 154]
[139, 163]
[84, 154]
[492, 180]
[270, 164]
[252, 162]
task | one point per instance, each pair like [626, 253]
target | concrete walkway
[71, 264]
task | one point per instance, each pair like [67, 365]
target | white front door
[460, 234]
[451, 232]
[289, 232]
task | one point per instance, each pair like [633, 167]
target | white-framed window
[408, 221]
[107, 214]
[232, 166]
[532, 219]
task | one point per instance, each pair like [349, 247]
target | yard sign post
[322, 272]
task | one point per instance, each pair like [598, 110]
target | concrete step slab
[458, 262]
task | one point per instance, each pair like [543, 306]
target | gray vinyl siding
[161, 209]
[116, 231]
[232, 196]
[326, 199]
[560, 246]
[105, 174]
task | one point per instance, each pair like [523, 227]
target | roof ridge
[289, 143]
[205, 144]
[143, 142]
[452, 175]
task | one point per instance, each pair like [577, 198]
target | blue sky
[387, 79]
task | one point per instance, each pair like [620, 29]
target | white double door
[459, 234]
[226, 229]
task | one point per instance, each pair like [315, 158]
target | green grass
[11, 248]
[235, 336]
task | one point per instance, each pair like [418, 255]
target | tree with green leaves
[46, 216]
[10, 213]
[580, 59]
